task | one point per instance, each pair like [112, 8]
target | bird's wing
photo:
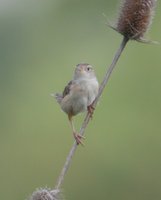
[67, 89]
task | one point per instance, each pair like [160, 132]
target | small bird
[79, 95]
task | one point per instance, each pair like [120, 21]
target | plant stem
[87, 118]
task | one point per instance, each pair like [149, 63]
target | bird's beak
[81, 70]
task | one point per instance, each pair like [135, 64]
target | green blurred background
[40, 43]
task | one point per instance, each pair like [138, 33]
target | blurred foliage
[40, 43]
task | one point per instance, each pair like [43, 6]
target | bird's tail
[58, 97]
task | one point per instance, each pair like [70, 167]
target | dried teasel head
[135, 18]
[45, 194]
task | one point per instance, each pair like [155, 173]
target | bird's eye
[89, 68]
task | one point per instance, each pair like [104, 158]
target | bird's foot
[90, 109]
[78, 138]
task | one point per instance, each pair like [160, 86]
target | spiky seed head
[135, 18]
[45, 194]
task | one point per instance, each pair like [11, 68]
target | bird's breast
[91, 87]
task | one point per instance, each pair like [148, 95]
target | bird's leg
[90, 109]
[77, 136]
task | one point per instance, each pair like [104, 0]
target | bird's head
[84, 71]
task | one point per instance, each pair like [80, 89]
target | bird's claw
[79, 138]
[90, 109]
